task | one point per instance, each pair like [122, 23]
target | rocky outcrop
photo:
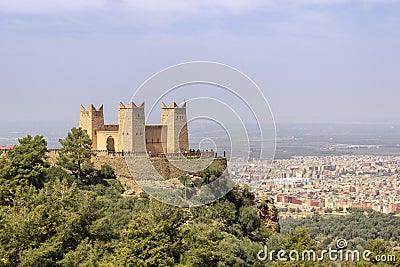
[268, 213]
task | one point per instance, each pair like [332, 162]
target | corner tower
[131, 122]
[90, 121]
[177, 131]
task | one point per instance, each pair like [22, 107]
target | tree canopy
[26, 164]
[76, 153]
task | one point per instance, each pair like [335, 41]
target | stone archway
[110, 144]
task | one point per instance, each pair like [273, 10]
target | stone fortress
[132, 135]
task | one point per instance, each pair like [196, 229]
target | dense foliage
[26, 164]
[357, 227]
[54, 216]
[76, 152]
[71, 214]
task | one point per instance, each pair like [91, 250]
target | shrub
[107, 172]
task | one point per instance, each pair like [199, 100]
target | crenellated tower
[91, 120]
[131, 120]
[177, 131]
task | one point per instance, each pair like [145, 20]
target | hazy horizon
[315, 61]
[293, 139]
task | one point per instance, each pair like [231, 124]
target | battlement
[173, 105]
[91, 108]
[130, 105]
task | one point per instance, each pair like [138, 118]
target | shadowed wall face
[155, 141]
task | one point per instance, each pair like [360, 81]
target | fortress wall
[162, 165]
[156, 137]
[102, 137]
[110, 127]
[165, 168]
[121, 171]
[184, 139]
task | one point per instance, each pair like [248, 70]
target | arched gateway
[110, 144]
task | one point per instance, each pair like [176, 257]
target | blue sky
[315, 60]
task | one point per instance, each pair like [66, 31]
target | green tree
[87, 253]
[239, 252]
[42, 226]
[185, 180]
[151, 238]
[26, 164]
[249, 219]
[76, 153]
[107, 171]
[240, 196]
[200, 242]
[299, 239]
[57, 173]
[358, 226]
[377, 247]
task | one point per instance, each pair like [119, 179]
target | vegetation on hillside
[358, 227]
[70, 215]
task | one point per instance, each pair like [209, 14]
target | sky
[314, 60]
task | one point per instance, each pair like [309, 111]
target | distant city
[322, 167]
[327, 184]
